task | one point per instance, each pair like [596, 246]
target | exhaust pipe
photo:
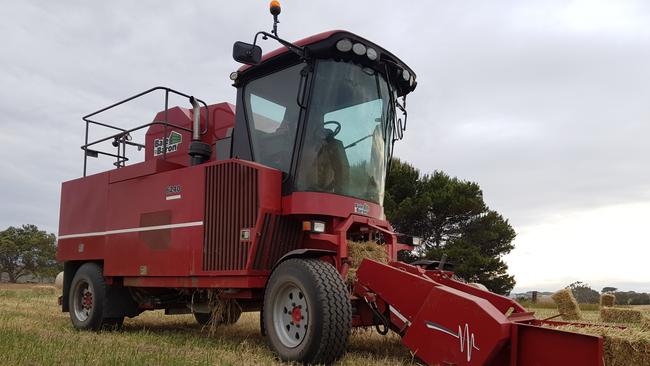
[197, 119]
[200, 152]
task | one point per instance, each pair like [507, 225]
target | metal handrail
[121, 138]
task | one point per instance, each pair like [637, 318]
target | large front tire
[307, 312]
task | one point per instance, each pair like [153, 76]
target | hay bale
[623, 347]
[44, 290]
[607, 300]
[567, 304]
[645, 324]
[357, 251]
[58, 281]
[620, 315]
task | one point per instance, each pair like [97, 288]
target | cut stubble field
[33, 331]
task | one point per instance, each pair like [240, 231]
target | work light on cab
[359, 49]
[344, 45]
[372, 54]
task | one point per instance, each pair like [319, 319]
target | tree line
[584, 294]
[28, 251]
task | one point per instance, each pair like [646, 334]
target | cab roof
[323, 45]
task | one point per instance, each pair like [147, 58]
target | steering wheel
[337, 129]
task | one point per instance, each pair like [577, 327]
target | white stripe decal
[133, 230]
[399, 315]
[174, 197]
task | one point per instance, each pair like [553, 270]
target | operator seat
[324, 164]
[333, 167]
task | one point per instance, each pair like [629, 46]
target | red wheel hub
[87, 301]
[296, 315]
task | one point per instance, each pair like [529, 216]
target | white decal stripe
[174, 197]
[399, 315]
[435, 327]
[133, 230]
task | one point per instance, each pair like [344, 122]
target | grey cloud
[545, 117]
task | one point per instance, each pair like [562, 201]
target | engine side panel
[163, 224]
[155, 224]
[84, 203]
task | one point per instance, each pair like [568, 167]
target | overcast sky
[545, 104]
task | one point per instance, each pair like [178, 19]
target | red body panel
[317, 203]
[84, 202]
[142, 202]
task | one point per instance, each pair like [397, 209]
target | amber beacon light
[275, 8]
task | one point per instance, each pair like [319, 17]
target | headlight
[234, 75]
[313, 226]
[372, 54]
[359, 49]
[344, 45]
[319, 227]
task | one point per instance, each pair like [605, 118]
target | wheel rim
[83, 300]
[290, 315]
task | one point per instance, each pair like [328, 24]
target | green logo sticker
[173, 141]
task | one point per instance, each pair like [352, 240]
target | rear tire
[307, 313]
[88, 300]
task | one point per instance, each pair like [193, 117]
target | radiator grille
[231, 204]
[279, 236]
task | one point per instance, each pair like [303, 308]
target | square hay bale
[567, 304]
[607, 300]
[357, 251]
[645, 324]
[623, 347]
[620, 315]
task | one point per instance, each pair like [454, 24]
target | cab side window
[272, 111]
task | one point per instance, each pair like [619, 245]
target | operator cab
[325, 111]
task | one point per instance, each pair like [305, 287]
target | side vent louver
[279, 236]
[231, 205]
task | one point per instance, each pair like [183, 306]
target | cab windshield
[348, 133]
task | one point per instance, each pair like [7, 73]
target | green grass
[33, 331]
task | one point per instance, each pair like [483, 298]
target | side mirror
[246, 53]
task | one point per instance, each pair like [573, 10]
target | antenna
[275, 9]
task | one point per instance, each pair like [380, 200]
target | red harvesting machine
[250, 208]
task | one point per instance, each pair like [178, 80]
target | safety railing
[122, 138]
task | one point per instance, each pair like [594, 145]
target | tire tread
[332, 297]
